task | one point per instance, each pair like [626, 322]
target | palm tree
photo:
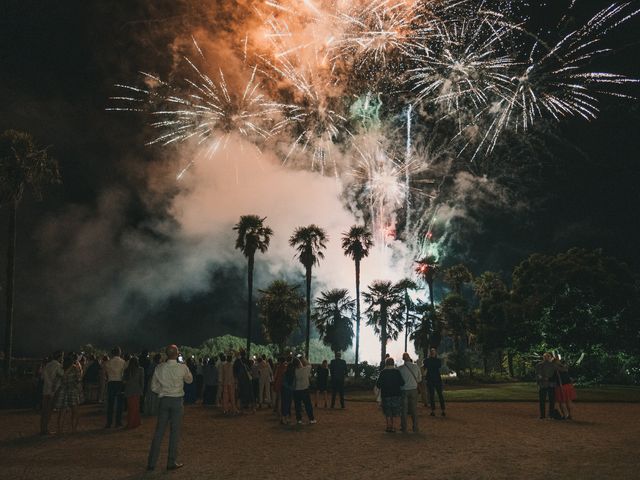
[253, 236]
[384, 312]
[309, 242]
[333, 312]
[356, 244]
[22, 165]
[280, 308]
[426, 268]
[404, 286]
[428, 333]
[456, 276]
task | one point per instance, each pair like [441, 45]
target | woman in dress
[133, 387]
[68, 397]
[390, 382]
[564, 392]
[322, 380]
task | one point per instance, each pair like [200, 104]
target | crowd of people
[153, 386]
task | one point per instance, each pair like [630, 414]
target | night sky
[59, 62]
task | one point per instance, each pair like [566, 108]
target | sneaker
[443, 414]
[432, 414]
[299, 422]
[313, 422]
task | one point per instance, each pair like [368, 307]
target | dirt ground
[475, 441]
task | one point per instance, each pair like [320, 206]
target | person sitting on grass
[390, 383]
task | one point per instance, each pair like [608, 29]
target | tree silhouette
[253, 236]
[426, 269]
[356, 244]
[333, 312]
[280, 307]
[404, 286]
[23, 166]
[457, 276]
[384, 312]
[309, 242]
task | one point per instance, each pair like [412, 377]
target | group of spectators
[398, 389]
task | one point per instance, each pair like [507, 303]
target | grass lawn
[523, 392]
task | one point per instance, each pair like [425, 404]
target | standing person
[69, 393]
[102, 387]
[432, 366]
[255, 379]
[338, 369]
[301, 390]
[51, 376]
[151, 400]
[228, 382]
[145, 362]
[286, 393]
[546, 372]
[390, 383]
[91, 379]
[242, 373]
[278, 377]
[168, 382]
[114, 369]
[210, 381]
[133, 388]
[564, 392]
[190, 388]
[322, 379]
[265, 377]
[411, 376]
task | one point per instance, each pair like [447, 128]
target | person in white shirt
[168, 382]
[411, 375]
[114, 369]
[51, 376]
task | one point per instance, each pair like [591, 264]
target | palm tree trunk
[510, 362]
[306, 344]
[430, 285]
[383, 336]
[406, 322]
[250, 301]
[357, 313]
[11, 256]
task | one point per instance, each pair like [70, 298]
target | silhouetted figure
[338, 369]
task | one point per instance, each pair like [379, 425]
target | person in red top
[278, 377]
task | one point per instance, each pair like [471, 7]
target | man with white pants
[168, 382]
[411, 375]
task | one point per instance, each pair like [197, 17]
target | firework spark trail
[451, 59]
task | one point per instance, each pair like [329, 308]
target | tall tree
[280, 307]
[333, 314]
[457, 276]
[404, 286]
[356, 244]
[384, 312]
[427, 268]
[428, 333]
[309, 242]
[23, 166]
[253, 236]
